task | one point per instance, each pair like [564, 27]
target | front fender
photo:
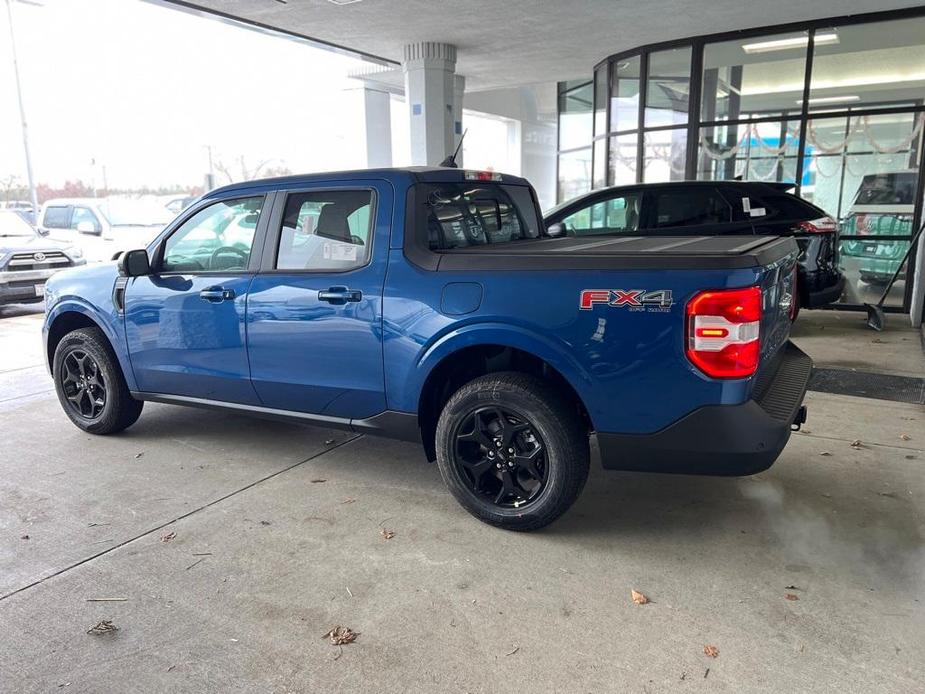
[550, 350]
[106, 319]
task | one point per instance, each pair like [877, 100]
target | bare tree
[239, 170]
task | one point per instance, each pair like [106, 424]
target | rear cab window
[464, 215]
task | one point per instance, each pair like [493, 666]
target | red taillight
[723, 332]
[823, 225]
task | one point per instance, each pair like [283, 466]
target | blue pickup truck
[431, 305]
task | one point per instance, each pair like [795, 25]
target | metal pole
[22, 114]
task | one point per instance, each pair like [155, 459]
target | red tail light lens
[723, 332]
[823, 225]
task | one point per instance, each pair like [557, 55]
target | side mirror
[555, 230]
[134, 263]
[86, 227]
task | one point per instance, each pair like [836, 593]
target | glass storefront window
[574, 174]
[623, 150]
[624, 95]
[750, 151]
[754, 77]
[575, 114]
[668, 87]
[846, 154]
[665, 155]
[868, 65]
[600, 164]
[600, 101]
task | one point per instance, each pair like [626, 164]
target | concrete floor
[278, 539]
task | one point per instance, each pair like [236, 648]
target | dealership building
[586, 95]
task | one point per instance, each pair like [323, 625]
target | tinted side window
[690, 207]
[326, 231]
[218, 238]
[57, 217]
[790, 207]
[617, 215]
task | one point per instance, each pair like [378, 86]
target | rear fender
[553, 352]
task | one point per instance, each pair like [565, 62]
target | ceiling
[505, 43]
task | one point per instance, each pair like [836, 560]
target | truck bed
[624, 252]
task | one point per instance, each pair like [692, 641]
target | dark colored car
[709, 208]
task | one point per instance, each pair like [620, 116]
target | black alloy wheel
[83, 384]
[502, 457]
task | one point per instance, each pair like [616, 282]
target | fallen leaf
[103, 627]
[265, 522]
[340, 636]
[516, 648]
[639, 598]
[711, 651]
[791, 596]
[168, 537]
[318, 481]
[387, 534]
[824, 453]
[905, 437]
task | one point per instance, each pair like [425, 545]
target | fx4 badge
[659, 300]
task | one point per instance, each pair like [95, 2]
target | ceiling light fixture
[822, 39]
[342, 2]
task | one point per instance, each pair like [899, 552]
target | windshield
[476, 214]
[887, 189]
[11, 224]
[134, 212]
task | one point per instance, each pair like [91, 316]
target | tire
[531, 482]
[90, 385]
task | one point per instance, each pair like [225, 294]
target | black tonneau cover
[624, 252]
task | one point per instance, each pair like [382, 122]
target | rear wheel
[90, 384]
[512, 451]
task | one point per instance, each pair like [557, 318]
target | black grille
[22, 262]
[780, 392]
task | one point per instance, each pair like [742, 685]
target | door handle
[216, 295]
[339, 295]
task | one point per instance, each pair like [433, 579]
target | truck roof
[406, 175]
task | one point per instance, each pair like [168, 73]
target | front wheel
[90, 384]
[512, 450]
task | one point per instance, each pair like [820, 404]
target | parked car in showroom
[128, 221]
[712, 208]
[883, 206]
[430, 305]
[27, 260]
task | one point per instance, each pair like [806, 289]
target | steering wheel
[226, 250]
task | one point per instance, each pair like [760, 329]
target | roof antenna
[450, 161]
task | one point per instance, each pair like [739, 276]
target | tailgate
[778, 290]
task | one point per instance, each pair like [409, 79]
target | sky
[143, 89]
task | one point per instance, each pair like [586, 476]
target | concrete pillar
[372, 107]
[459, 90]
[430, 84]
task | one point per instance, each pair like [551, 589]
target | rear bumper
[721, 439]
[825, 290]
